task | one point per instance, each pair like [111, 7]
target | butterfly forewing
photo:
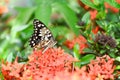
[42, 37]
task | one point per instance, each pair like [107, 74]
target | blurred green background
[16, 25]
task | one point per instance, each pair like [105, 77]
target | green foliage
[82, 59]
[70, 19]
[43, 11]
[86, 59]
[76, 51]
[14, 38]
[89, 3]
[113, 3]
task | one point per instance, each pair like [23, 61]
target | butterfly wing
[42, 37]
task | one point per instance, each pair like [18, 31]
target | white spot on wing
[46, 38]
[40, 34]
[42, 24]
[33, 44]
[35, 31]
[36, 37]
[39, 25]
[32, 41]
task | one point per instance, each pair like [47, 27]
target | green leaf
[10, 57]
[69, 16]
[1, 75]
[102, 51]
[113, 3]
[23, 16]
[77, 64]
[76, 51]
[86, 18]
[90, 41]
[96, 2]
[38, 2]
[19, 28]
[76, 54]
[4, 50]
[86, 59]
[101, 14]
[59, 30]
[89, 3]
[18, 24]
[24, 33]
[103, 24]
[111, 54]
[117, 67]
[87, 50]
[117, 58]
[43, 12]
[112, 17]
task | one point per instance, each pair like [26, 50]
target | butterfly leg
[51, 43]
[45, 48]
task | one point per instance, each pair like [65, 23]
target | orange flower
[102, 66]
[54, 64]
[78, 74]
[93, 14]
[79, 40]
[12, 71]
[45, 66]
[7, 1]
[83, 5]
[100, 69]
[118, 1]
[95, 30]
[113, 9]
[40, 66]
[3, 8]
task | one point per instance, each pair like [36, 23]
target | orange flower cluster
[54, 64]
[113, 9]
[12, 71]
[3, 8]
[102, 66]
[95, 30]
[40, 66]
[93, 14]
[78, 74]
[100, 69]
[79, 40]
[45, 66]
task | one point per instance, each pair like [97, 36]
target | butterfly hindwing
[42, 37]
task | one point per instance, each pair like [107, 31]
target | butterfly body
[42, 37]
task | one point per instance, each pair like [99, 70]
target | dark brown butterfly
[42, 37]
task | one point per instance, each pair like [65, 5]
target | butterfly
[41, 37]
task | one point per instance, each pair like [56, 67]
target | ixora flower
[12, 71]
[78, 74]
[79, 40]
[54, 64]
[95, 30]
[102, 67]
[93, 14]
[113, 9]
[40, 66]
[4, 8]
